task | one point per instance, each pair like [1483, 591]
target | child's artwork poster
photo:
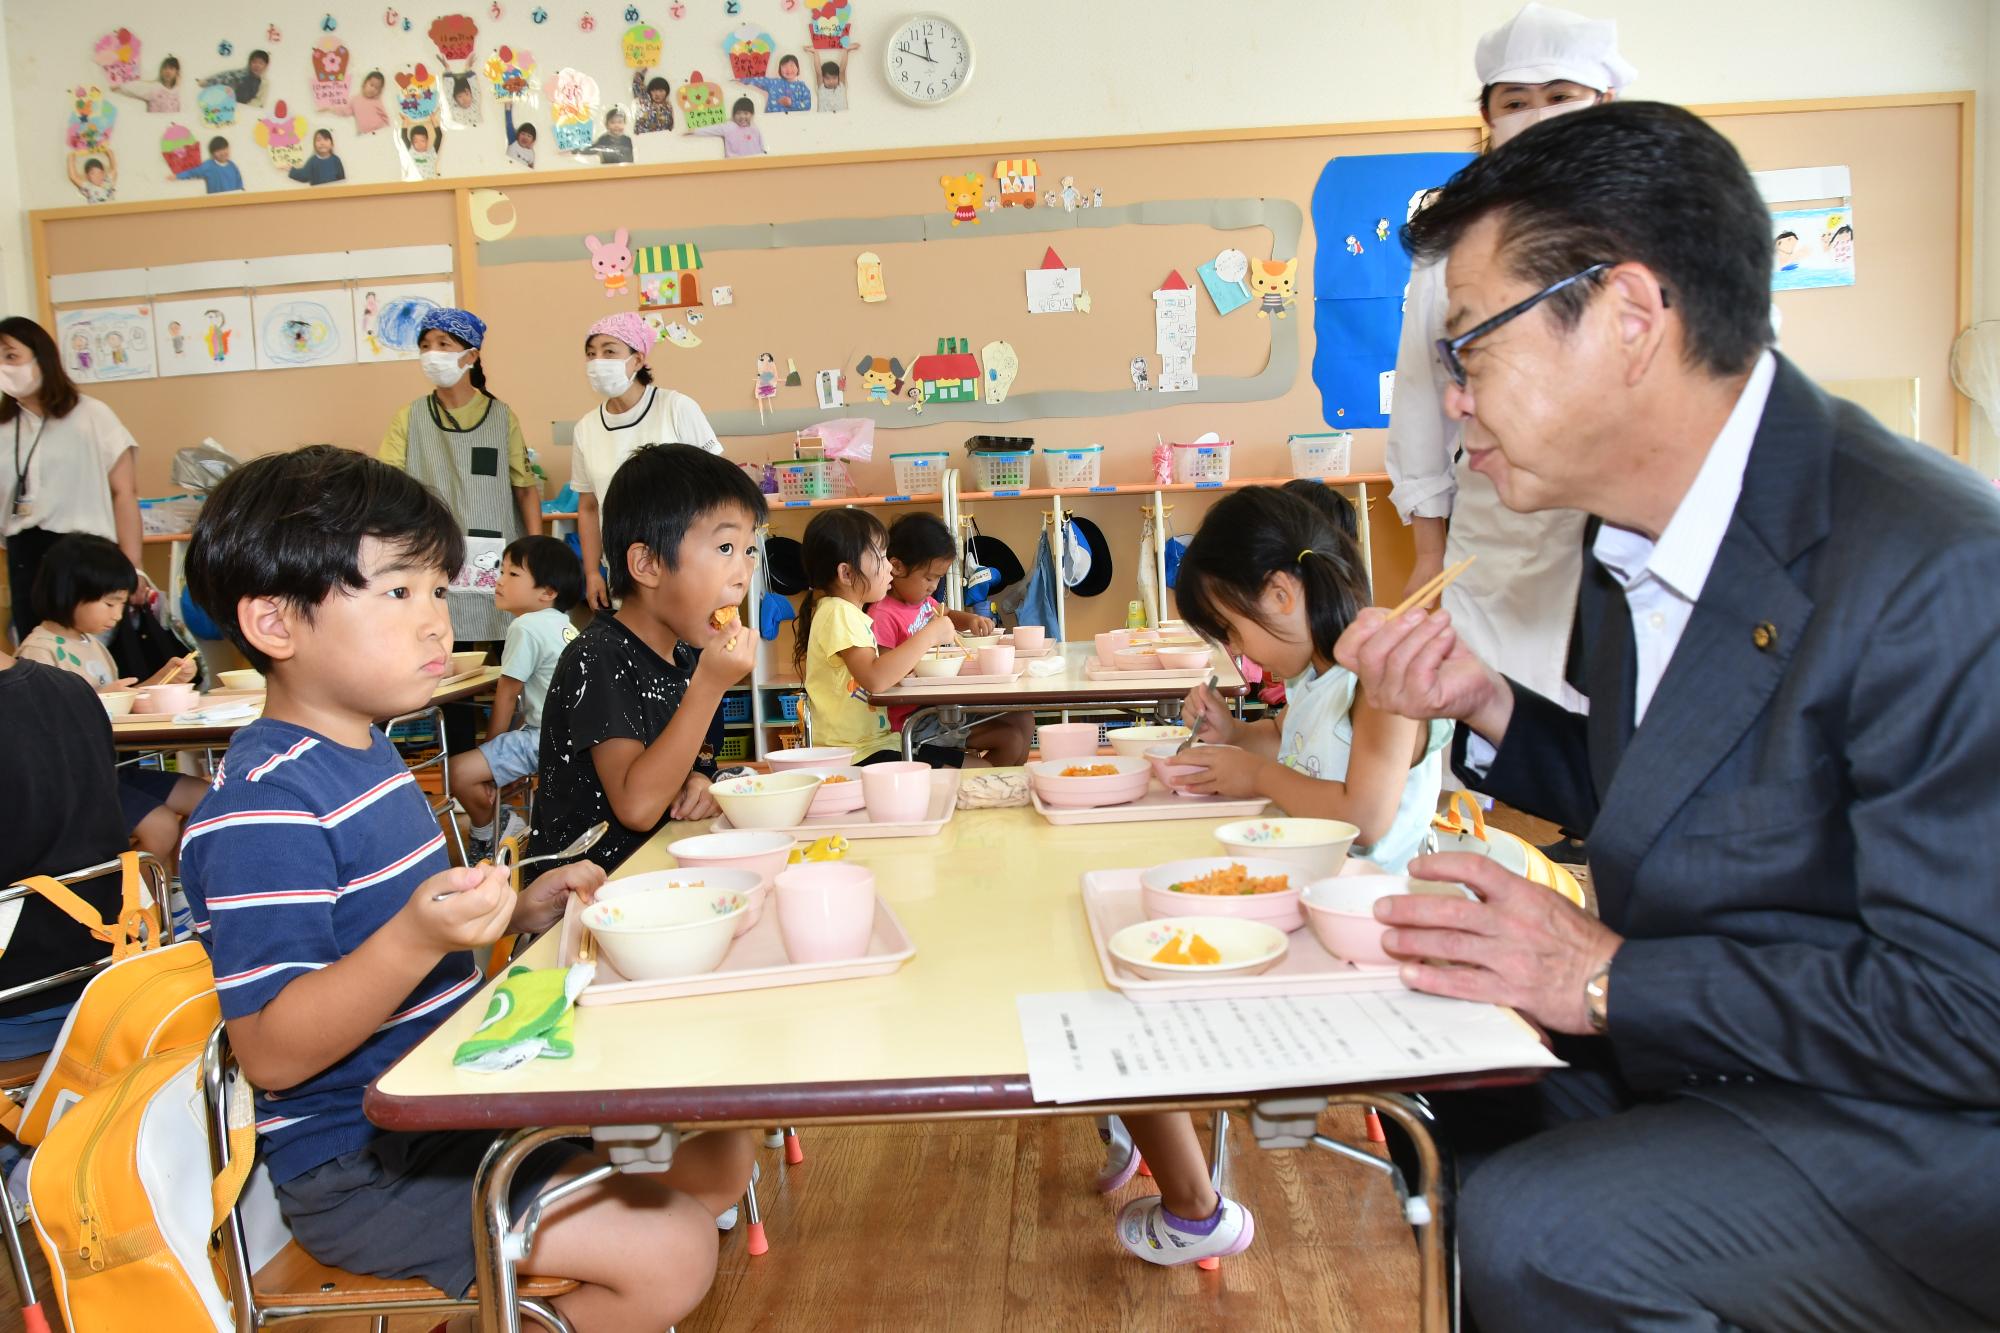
[1053, 288]
[108, 343]
[1812, 247]
[389, 316]
[309, 328]
[204, 335]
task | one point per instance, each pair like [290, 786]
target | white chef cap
[1542, 44]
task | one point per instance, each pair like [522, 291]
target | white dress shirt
[1663, 580]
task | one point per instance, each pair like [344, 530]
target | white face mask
[442, 368]
[609, 378]
[1513, 123]
[20, 381]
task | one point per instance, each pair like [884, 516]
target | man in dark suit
[1783, 1109]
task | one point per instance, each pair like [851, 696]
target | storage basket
[1072, 468]
[920, 474]
[1201, 464]
[1003, 472]
[735, 708]
[735, 749]
[1324, 454]
[804, 480]
[788, 707]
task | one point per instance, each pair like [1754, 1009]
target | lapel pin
[1765, 636]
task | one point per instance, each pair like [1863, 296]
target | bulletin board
[1170, 203]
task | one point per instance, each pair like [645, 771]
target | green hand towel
[532, 1015]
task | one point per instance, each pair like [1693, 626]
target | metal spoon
[585, 841]
[1194, 728]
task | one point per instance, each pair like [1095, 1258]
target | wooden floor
[982, 1226]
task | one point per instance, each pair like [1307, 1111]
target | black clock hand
[918, 54]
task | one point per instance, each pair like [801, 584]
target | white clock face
[928, 59]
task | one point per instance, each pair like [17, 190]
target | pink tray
[916, 682]
[1157, 803]
[1111, 902]
[1048, 649]
[755, 961]
[856, 824]
[1096, 670]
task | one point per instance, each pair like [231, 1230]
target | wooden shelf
[1147, 488]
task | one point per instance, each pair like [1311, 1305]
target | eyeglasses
[1449, 348]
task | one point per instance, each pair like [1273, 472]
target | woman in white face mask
[467, 446]
[635, 411]
[1514, 608]
[71, 466]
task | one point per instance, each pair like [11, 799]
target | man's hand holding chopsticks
[1415, 665]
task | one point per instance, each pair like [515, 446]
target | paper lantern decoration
[329, 66]
[832, 26]
[701, 103]
[453, 35]
[180, 148]
[573, 97]
[118, 53]
[417, 98]
[91, 118]
[749, 52]
[217, 104]
[642, 44]
[512, 75]
[283, 137]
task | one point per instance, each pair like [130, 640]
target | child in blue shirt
[340, 934]
[218, 173]
[323, 167]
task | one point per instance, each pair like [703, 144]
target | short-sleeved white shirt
[69, 473]
[602, 440]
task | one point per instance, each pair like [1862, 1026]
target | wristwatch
[1597, 998]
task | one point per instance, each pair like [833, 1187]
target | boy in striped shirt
[339, 932]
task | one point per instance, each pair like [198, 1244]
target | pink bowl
[1109, 642]
[739, 849]
[1341, 911]
[1170, 774]
[1127, 785]
[706, 879]
[836, 798]
[1136, 659]
[1183, 659]
[166, 699]
[1067, 740]
[1280, 909]
[817, 756]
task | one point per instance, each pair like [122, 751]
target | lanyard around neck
[21, 467]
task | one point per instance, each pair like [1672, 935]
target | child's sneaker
[1146, 1228]
[1121, 1155]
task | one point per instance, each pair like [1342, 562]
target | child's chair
[294, 1286]
[432, 770]
[18, 1077]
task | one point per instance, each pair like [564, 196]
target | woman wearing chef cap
[1515, 606]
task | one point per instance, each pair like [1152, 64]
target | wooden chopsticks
[1423, 595]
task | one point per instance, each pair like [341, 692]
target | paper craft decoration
[767, 383]
[1052, 288]
[217, 104]
[611, 262]
[749, 51]
[329, 67]
[642, 45]
[283, 137]
[573, 99]
[1813, 247]
[1000, 365]
[949, 375]
[961, 195]
[512, 75]
[417, 96]
[109, 343]
[483, 205]
[91, 118]
[1016, 179]
[1174, 334]
[680, 335]
[792, 380]
[701, 103]
[667, 276]
[1222, 277]
[868, 277]
[205, 335]
[881, 378]
[454, 35]
[117, 53]
[387, 318]
[180, 148]
[312, 328]
[830, 386]
[1274, 283]
[832, 26]
[1139, 374]
[724, 295]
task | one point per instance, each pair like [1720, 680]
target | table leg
[492, 1266]
[1429, 1210]
[910, 732]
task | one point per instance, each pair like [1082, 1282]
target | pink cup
[996, 659]
[896, 793]
[1030, 638]
[1067, 740]
[826, 911]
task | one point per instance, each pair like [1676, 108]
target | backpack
[1463, 828]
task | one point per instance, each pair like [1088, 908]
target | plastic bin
[804, 480]
[1201, 463]
[1070, 468]
[735, 708]
[735, 749]
[1003, 472]
[920, 474]
[1322, 454]
[788, 707]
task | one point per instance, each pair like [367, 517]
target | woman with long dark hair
[71, 466]
[467, 446]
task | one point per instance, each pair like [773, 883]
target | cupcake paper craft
[117, 52]
[217, 103]
[573, 99]
[454, 35]
[512, 74]
[642, 45]
[417, 95]
[749, 52]
[180, 148]
[701, 103]
[91, 118]
[832, 26]
[284, 137]
[329, 67]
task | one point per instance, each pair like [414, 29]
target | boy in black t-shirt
[632, 720]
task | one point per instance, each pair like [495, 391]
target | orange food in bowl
[1091, 771]
[1232, 881]
[1196, 952]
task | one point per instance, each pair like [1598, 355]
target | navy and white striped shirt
[301, 850]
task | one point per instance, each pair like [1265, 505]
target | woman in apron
[635, 411]
[467, 446]
[1515, 606]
